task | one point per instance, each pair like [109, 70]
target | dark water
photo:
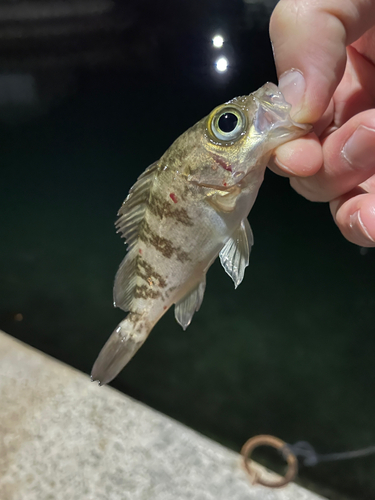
[289, 353]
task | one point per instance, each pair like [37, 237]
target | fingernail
[292, 85]
[359, 149]
[359, 229]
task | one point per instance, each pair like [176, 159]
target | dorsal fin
[131, 215]
[133, 209]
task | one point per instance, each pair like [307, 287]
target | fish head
[238, 137]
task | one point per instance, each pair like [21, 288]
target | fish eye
[227, 124]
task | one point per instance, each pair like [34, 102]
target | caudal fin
[121, 346]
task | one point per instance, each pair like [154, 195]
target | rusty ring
[265, 440]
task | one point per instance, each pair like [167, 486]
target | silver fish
[185, 210]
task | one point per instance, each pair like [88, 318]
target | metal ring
[265, 440]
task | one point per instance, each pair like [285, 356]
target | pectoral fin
[234, 256]
[184, 309]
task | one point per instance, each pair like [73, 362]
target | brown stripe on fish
[169, 291]
[163, 245]
[187, 191]
[138, 320]
[145, 271]
[161, 208]
[134, 317]
[145, 292]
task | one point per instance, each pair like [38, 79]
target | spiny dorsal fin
[133, 209]
[131, 215]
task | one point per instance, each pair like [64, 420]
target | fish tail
[121, 346]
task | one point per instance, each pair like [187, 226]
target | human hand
[325, 58]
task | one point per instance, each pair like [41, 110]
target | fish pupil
[228, 122]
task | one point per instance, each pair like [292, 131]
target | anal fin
[234, 256]
[184, 309]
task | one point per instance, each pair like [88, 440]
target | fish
[188, 208]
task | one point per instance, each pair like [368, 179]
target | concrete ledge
[62, 437]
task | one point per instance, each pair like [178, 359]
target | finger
[369, 185]
[309, 40]
[354, 214]
[349, 160]
[301, 157]
[356, 91]
[365, 45]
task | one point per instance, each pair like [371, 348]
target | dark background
[87, 101]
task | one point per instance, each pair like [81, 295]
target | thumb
[309, 39]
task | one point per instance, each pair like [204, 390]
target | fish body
[188, 208]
